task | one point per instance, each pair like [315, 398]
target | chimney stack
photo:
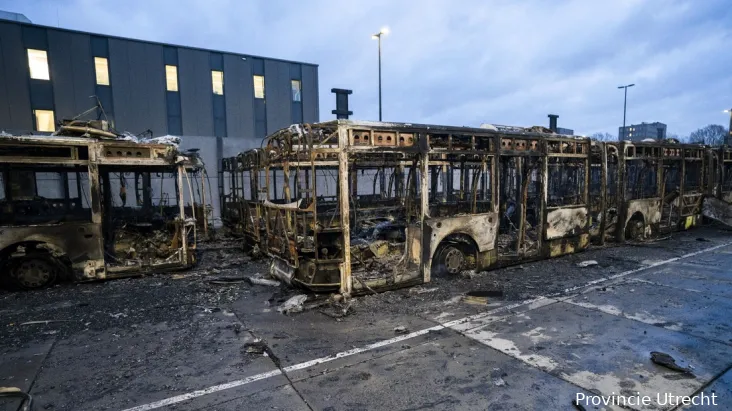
[341, 111]
[553, 122]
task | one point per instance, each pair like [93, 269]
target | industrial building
[48, 74]
[642, 131]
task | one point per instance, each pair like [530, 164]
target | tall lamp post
[625, 107]
[729, 132]
[383, 32]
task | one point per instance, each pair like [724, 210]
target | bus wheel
[635, 230]
[33, 271]
[450, 259]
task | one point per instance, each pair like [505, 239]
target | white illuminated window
[171, 78]
[38, 64]
[101, 67]
[296, 90]
[258, 86]
[44, 120]
[217, 81]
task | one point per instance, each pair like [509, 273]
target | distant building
[639, 132]
[565, 131]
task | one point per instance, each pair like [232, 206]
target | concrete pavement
[561, 331]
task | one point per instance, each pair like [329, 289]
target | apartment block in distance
[642, 131]
[48, 74]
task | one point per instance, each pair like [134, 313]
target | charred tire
[33, 271]
[635, 230]
[449, 259]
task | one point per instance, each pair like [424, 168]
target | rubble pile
[134, 244]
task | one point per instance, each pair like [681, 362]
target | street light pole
[729, 134]
[377, 36]
[625, 106]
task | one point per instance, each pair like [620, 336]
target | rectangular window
[44, 120]
[38, 64]
[101, 67]
[296, 90]
[217, 80]
[171, 78]
[258, 86]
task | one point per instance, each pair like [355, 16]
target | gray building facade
[48, 74]
[639, 132]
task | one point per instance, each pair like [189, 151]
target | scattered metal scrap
[293, 304]
[665, 360]
[27, 399]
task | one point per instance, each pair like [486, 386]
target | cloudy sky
[461, 62]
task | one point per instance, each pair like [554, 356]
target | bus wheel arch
[33, 264]
[636, 227]
[454, 253]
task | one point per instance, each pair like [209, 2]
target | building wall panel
[155, 90]
[239, 94]
[119, 73]
[15, 78]
[195, 92]
[83, 74]
[72, 73]
[310, 100]
[277, 94]
[62, 68]
[4, 96]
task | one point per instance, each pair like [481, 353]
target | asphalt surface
[198, 341]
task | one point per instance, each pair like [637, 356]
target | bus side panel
[566, 222]
[566, 231]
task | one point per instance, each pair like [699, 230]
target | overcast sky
[461, 62]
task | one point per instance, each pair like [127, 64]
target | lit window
[102, 69]
[296, 90]
[38, 63]
[258, 86]
[217, 80]
[171, 78]
[44, 120]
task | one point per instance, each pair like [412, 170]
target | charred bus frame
[65, 208]
[423, 199]
[640, 190]
[420, 199]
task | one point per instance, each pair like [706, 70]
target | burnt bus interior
[434, 199]
[64, 215]
[140, 210]
[285, 199]
[42, 194]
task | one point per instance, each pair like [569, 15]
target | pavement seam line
[636, 270]
[390, 341]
